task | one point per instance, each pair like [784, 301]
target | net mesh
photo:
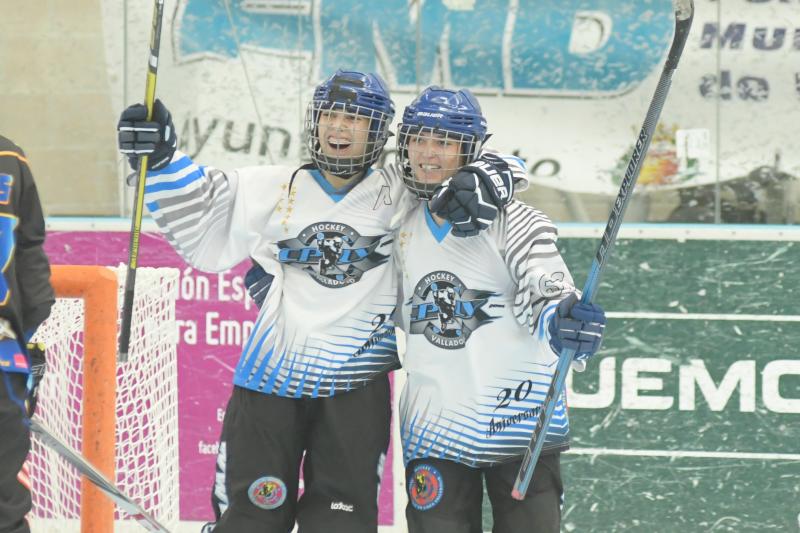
[146, 405]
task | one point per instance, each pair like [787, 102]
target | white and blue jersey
[478, 358]
[326, 325]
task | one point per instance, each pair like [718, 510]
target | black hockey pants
[344, 437]
[15, 442]
[447, 497]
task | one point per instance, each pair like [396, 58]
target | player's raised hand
[578, 326]
[155, 138]
[471, 199]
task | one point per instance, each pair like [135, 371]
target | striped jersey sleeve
[518, 168]
[194, 206]
[534, 263]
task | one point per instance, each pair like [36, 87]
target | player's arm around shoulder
[546, 294]
[473, 197]
[528, 240]
[516, 166]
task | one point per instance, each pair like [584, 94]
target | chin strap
[307, 166]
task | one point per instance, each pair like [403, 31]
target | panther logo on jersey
[445, 300]
[334, 254]
[331, 249]
[447, 312]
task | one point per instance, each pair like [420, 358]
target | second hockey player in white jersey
[312, 376]
[482, 339]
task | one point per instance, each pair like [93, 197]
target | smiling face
[342, 134]
[434, 156]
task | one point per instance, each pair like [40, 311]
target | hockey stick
[138, 205]
[95, 476]
[684, 11]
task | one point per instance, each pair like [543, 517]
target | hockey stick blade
[684, 12]
[83, 466]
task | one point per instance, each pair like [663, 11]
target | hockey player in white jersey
[486, 317]
[312, 377]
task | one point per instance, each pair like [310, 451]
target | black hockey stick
[684, 11]
[95, 476]
[138, 204]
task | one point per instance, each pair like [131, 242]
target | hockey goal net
[122, 417]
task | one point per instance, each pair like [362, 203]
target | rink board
[726, 296]
[647, 458]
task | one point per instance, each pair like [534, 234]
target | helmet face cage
[347, 123]
[429, 155]
[349, 143]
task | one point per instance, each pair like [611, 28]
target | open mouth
[338, 143]
[428, 171]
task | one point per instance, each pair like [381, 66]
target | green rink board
[607, 493]
[735, 490]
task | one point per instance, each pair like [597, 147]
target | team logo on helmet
[334, 254]
[267, 492]
[425, 488]
[445, 311]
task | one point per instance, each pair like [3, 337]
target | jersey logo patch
[425, 488]
[267, 492]
[552, 285]
[6, 184]
[333, 254]
[445, 311]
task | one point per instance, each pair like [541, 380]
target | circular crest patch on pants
[267, 492]
[425, 488]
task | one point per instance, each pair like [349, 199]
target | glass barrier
[564, 84]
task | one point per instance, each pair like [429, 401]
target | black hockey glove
[470, 200]
[156, 138]
[258, 283]
[36, 352]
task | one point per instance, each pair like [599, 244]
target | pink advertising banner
[214, 319]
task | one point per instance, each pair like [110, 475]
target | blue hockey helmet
[355, 94]
[452, 117]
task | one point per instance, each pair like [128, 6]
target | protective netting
[146, 406]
